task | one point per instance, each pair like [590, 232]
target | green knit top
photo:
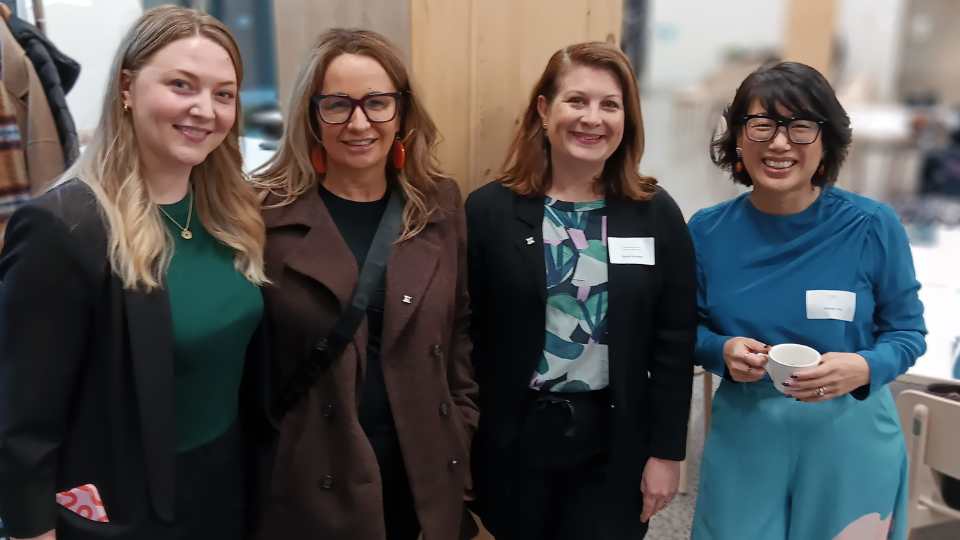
[215, 311]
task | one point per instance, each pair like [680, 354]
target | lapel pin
[529, 240]
[407, 299]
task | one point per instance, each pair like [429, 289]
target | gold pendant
[186, 234]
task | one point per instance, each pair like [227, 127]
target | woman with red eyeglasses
[374, 395]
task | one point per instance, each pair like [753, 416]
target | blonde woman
[128, 297]
[377, 425]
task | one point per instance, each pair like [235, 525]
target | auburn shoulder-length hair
[289, 173]
[527, 167]
[139, 244]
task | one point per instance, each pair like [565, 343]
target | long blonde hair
[289, 172]
[140, 246]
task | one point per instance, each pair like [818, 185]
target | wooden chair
[930, 425]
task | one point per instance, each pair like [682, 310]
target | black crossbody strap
[329, 348]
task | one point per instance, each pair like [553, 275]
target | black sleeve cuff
[862, 392]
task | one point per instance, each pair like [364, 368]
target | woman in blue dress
[796, 260]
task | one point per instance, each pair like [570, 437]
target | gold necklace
[184, 229]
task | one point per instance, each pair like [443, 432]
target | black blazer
[86, 379]
[651, 320]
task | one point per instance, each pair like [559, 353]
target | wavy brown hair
[527, 166]
[139, 244]
[289, 173]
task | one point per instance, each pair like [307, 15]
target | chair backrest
[942, 452]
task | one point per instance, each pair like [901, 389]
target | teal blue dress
[773, 467]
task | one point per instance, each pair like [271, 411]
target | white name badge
[838, 305]
[631, 250]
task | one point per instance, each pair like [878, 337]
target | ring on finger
[821, 391]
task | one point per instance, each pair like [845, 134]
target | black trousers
[552, 482]
[211, 501]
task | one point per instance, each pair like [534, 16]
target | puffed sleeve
[899, 329]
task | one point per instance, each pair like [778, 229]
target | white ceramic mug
[786, 358]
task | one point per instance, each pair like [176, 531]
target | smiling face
[778, 166]
[358, 144]
[585, 120]
[183, 103]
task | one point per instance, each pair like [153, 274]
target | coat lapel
[626, 219]
[626, 284]
[151, 349]
[529, 240]
[322, 254]
[410, 269]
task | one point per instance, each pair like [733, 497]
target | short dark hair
[800, 89]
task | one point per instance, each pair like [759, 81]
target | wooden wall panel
[443, 74]
[299, 22]
[507, 45]
[810, 27]
[473, 62]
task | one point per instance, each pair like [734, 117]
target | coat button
[321, 344]
[328, 410]
[437, 351]
[613, 405]
[444, 409]
[454, 463]
[327, 482]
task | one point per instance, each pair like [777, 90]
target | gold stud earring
[126, 108]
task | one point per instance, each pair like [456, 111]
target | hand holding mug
[838, 374]
[745, 358]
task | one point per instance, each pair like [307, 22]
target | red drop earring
[398, 155]
[318, 160]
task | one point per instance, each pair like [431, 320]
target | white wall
[688, 37]
[870, 31]
[89, 31]
[25, 10]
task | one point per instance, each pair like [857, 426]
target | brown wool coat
[325, 480]
[38, 131]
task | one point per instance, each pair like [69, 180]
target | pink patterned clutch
[84, 501]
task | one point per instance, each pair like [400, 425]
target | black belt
[566, 428]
